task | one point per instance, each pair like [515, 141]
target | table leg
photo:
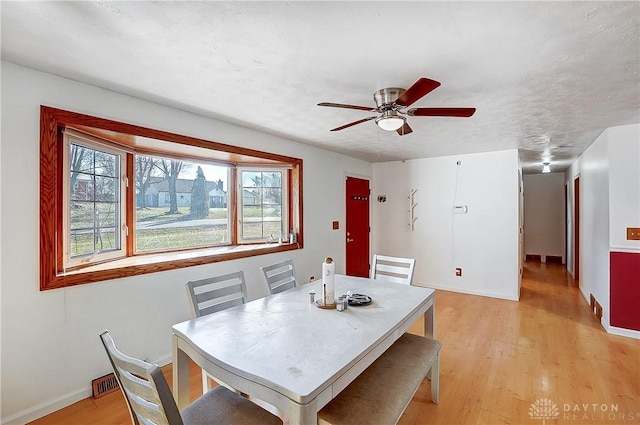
[430, 332]
[180, 375]
[430, 320]
[302, 415]
[435, 380]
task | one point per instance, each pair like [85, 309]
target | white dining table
[292, 354]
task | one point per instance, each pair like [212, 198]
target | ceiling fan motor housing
[386, 97]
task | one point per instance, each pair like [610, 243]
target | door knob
[349, 240]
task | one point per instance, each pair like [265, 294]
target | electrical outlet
[458, 271]
[633, 233]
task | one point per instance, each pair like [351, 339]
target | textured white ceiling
[546, 77]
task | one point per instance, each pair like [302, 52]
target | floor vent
[554, 259]
[104, 385]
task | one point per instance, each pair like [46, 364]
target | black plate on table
[359, 299]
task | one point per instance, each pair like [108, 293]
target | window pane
[252, 213]
[81, 159]
[272, 179]
[272, 196]
[262, 205]
[106, 189]
[180, 204]
[82, 243]
[81, 216]
[81, 186]
[105, 164]
[94, 218]
[106, 239]
[106, 214]
[251, 179]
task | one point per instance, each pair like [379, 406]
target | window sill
[151, 263]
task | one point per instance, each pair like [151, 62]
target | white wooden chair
[217, 293]
[280, 276]
[393, 269]
[214, 294]
[150, 401]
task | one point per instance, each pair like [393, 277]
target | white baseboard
[164, 360]
[48, 407]
[468, 291]
[612, 329]
[620, 331]
[43, 409]
[584, 294]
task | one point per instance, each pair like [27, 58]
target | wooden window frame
[52, 274]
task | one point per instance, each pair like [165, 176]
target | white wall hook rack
[412, 206]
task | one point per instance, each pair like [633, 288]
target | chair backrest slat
[280, 276]
[393, 269]
[217, 293]
[219, 307]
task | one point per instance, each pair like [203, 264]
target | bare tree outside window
[171, 169]
[145, 166]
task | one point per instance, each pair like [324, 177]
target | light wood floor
[498, 359]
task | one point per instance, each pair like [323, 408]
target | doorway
[357, 227]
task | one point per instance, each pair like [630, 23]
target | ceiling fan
[391, 101]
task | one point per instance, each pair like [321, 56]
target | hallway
[500, 357]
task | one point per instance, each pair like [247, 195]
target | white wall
[594, 222]
[483, 242]
[624, 200]
[50, 344]
[609, 173]
[544, 214]
[624, 185]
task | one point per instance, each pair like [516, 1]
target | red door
[357, 228]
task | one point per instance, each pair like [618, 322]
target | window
[193, 210]
[120, 200]
[94, 230]
[263, 205]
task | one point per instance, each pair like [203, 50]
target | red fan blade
[405, 129]
[352, 123]
[340, 105]
[420, 88]
[441, 112]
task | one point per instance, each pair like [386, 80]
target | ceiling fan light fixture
[391, 102]
[390, 121]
